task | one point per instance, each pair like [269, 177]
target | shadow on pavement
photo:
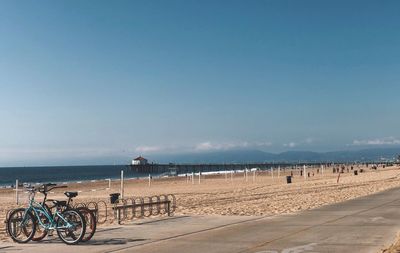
[159, 220]
[110, 241]
[6, 247]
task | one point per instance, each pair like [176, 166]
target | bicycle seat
[71, 194]
[59, 202]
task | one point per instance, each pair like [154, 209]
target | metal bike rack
[130, 208]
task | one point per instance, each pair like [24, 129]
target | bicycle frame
[37, 209]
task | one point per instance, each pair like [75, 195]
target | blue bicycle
[22, 223]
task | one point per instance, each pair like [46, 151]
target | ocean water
[53, 174]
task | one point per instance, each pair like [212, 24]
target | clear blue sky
[84, 79]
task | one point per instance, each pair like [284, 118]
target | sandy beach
[260, 194]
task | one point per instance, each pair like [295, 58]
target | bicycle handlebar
[57, 187]
[44, 188]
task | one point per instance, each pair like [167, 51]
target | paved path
[362, 225]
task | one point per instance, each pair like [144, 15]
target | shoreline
[11, 184]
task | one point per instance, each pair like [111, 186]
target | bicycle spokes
[71, 226]
[21, 225]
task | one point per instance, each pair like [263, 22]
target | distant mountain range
[243, 156]
[232, 156]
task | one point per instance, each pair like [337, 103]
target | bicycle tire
[81, 223]
[10, 226]
[91, 223]
[41, 234]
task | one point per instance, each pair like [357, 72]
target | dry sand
[394, 248]
[219, 195]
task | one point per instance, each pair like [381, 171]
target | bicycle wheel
[91, 223]
[21, 225]
[41, 232]
[71, 226]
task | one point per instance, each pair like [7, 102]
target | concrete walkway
[362, 225]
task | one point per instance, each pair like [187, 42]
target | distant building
[139, 161]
